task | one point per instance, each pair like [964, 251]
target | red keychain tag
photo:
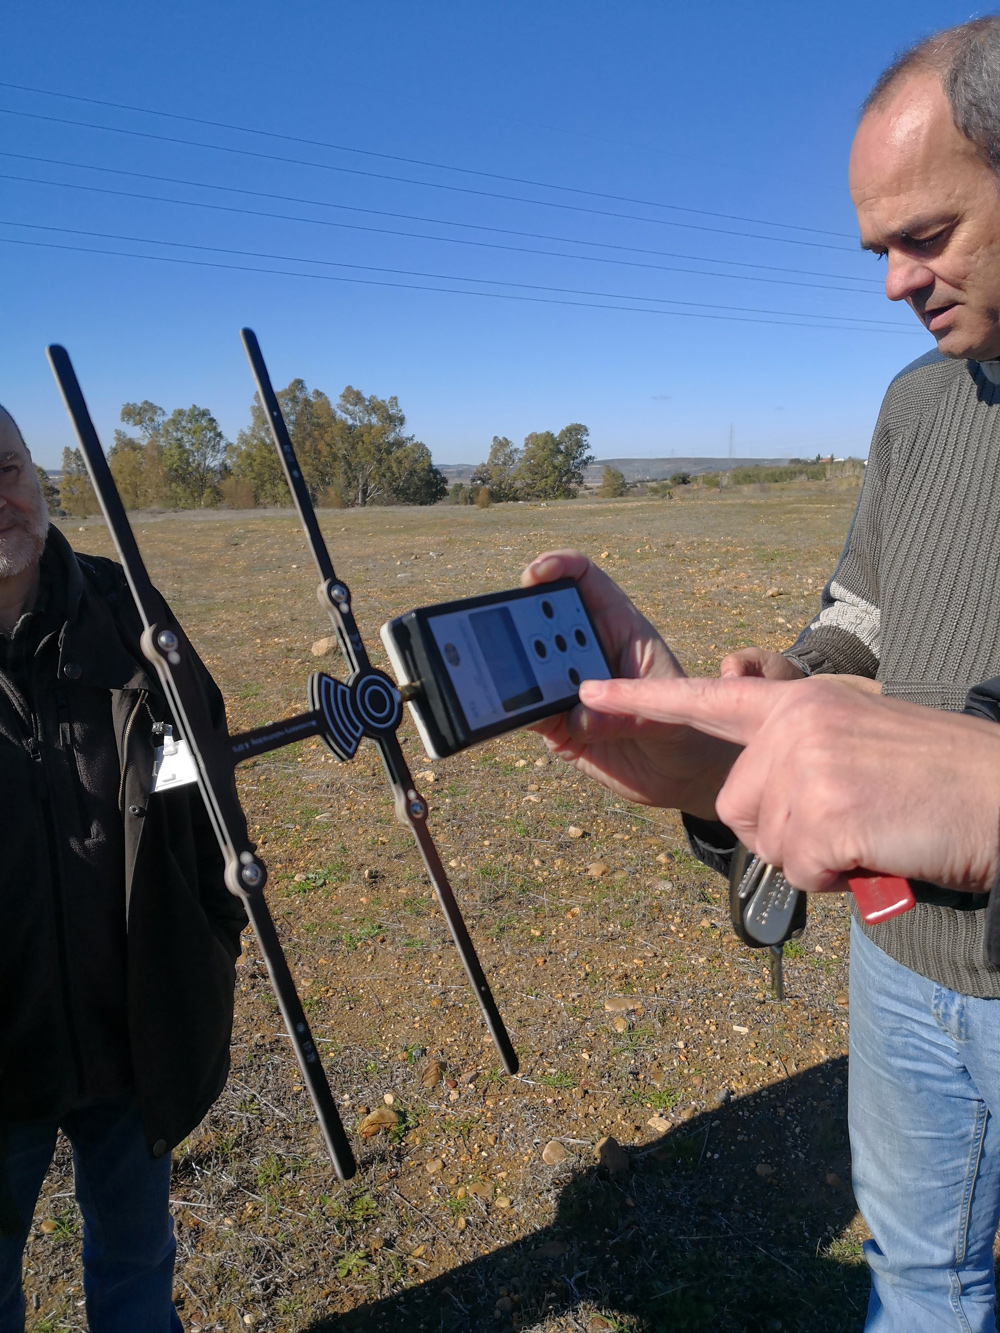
[880, 897]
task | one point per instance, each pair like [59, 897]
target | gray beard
[20, 548]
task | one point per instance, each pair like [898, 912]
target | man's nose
[905, 276]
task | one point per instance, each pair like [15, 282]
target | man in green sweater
[913, 606]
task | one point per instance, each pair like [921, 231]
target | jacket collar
[91, 650]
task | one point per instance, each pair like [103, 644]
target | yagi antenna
[341, 713]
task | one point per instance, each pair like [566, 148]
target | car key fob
[770, 910]
[765, 909]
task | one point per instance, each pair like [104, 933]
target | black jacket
[174, 963]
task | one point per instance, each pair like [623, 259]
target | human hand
[643, 761]
[759, 662]
[833, 777]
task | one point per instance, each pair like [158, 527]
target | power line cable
[442, 240]
[438, 222]
[429, 185]
[434, 277]
[420, 162]
[451, 291]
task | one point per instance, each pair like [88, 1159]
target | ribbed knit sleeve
[844, 637]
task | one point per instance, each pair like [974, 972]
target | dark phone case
[438, 705]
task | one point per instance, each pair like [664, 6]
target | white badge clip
[173, 763]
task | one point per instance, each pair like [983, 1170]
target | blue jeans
[128, 1233]
[925, 1140]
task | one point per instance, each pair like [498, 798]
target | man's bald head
[10, 432]
[24, 519]
[966, 62]
[925, 180]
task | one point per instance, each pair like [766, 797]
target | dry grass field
[636, 1012]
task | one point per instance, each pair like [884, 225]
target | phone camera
[580, 637]
[547, 611]
[560, 643]
[451, 654]
[540, 649]
[574, 676]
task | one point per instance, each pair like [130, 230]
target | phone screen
[506, 660]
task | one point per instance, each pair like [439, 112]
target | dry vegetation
[636, 1013]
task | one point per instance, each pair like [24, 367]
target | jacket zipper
[140, 701]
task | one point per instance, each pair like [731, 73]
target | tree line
[548, 466]
[354, 453]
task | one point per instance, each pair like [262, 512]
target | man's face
[929, 203]
[24, 519]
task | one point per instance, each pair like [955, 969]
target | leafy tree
[50, 492]
[76, 495]
[377, 462]
[552, 466]
[312, 425]
[194, 455]
[613, 483]
[136, 461]
[680, 479]
[498, 473]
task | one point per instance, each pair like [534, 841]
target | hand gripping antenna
[376, 704]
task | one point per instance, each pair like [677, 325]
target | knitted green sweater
[915, 603]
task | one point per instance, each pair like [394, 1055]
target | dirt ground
[636, 1012]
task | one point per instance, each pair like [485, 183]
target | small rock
[453, 1095]
[431, 1074]
[419, 1252]
[553, 1153]
[47, 1227]
[468, 1077]
[533, 786]
[541, 763]
[664, 858]
[764, 1169]
[658, 1123]
[377, 1121]
[521, 763]
[324, 645]
[504, 1306]
[662, 885]
[502, 1201]
[723, 1095]
[433, 1166]
[833, 1180]
[388, 1098]
[618, 1004]
[574, 831]
[460, 1223]
[451, 1083]
[773, 592]
[596, 869]
[480, 1189]
[843, 1001]
[613, 1157]
[619, 1024]
[657, 1076]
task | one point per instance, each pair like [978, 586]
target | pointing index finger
[733, 709]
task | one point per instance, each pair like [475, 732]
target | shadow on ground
[734, 1220]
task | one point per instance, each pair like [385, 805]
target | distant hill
[636, 469]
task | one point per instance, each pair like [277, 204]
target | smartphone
[475, 668]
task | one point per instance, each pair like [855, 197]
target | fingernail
[591, 690]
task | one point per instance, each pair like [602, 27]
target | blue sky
[521, 148]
